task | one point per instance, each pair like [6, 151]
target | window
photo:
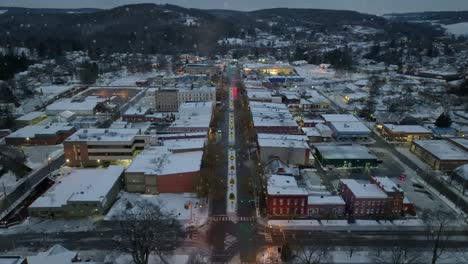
[295, 201]
[288, 201]
[274, 201]
[281, 210]
[281, 201]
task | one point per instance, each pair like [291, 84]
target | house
[325, 206]
[319, 133]
[444, 155]
[160, 170]
[293, 149]
[284, 197]
[351, 156]
[96, 146]
[81, 193]
[405, 133]
[51, 134]
[278, 167]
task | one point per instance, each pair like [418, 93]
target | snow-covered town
[288, 136]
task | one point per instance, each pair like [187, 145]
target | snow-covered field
[37, 156]
[8, 181]
[171, 202]
[458, 28]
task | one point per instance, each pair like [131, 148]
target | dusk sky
[366, 6]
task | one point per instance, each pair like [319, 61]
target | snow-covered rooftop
[75, 104]
[325, 200]
[350, 127]
[34, 130]
[387, 184]
[282, 141]
[137, 111]
[105, 134]
[91, 185]
[407, 129]
[30, 116]
[284, 185]
[329, 151]
[364, 190]
[184, 144]
[442, 149]
[160, 161]
[339, 118]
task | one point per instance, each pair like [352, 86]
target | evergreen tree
[443, 120]
[89, 73]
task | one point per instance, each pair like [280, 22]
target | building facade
[94, 147]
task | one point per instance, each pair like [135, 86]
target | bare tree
[396, 255]
[311, 254]
[437, 223]
[146, 229]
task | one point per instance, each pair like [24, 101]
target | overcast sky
[366, 6]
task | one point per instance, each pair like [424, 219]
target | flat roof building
[344, 155]
[405, 133]
[159, 170]
[51, 134]
[293, 149]
[96, 146]
[80, 106]
[443, 155]
[81, 193]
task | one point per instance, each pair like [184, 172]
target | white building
[80, 106]
[81, 193]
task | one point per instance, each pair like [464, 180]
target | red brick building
[326, 206]
[381, 197]
[285, 198]
[159, 170]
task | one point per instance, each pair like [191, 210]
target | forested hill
[169, 29]
[445, 17]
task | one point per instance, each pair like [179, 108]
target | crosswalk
[224, 218]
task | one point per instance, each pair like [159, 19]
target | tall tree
[145, 229]
[444, 120]
[437, 225]
[89, 73]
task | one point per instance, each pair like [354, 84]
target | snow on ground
[172, 202]
[153, 259]
[3, 12]
[41, 225]
[458, 28]
[8, 182]
[37, 156]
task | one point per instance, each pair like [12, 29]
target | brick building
[380, 197]
[325, 206]
[444, 155]
[159, 170]
[285, 198]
